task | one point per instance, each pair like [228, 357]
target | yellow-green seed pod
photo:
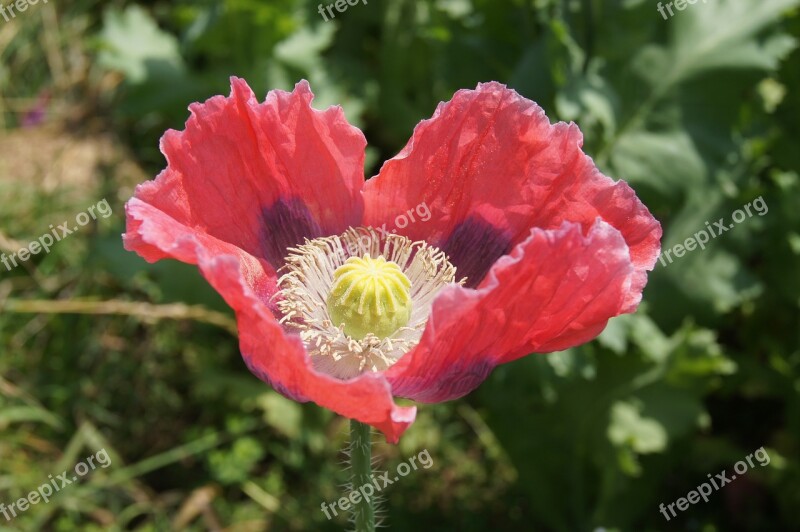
[369, 296]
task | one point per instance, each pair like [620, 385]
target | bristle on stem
[361, 463]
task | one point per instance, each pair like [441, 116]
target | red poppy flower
[504, 239]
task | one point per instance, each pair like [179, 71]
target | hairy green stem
[361, 462]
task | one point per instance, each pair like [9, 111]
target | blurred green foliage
[698, 112]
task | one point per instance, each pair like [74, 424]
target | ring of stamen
[310, 278]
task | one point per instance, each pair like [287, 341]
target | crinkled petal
[261, 176]
[280, 359]
[246, 180]
[489, 166]
[271, 353]
[557, 289]
[154, 236]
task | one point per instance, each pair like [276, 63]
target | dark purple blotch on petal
[458, 381]
[287, 223]
[473, 247]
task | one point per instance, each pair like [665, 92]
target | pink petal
[261, 176]
[490, 167]
[281, 360]
[274, 356]
[244, 181]
[557, 289]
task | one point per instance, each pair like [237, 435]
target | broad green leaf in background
[132, 43]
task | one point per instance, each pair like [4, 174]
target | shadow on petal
[287, 223]
[473, 247]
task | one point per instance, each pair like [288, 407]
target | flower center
[369, 296]
[355, 313]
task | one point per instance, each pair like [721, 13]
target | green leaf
[24, 414]
[666, 161]
[630, 428]
[723, 34]
[134, 45]
[282, 414]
